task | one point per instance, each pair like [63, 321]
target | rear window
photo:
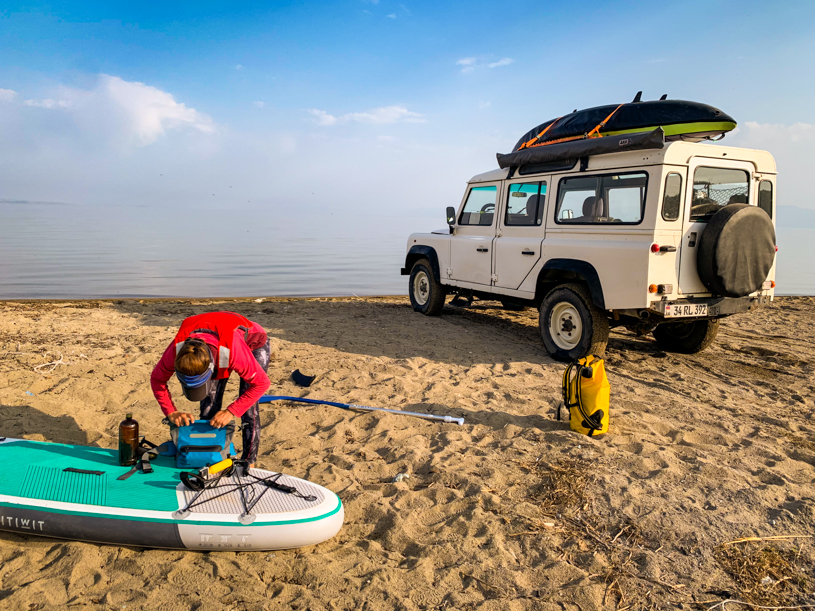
[765, 197]
[671, 200]
[612, 198]
[715, 188]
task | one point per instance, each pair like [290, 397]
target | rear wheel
[426, 294]
[686, 337]
[571, 326]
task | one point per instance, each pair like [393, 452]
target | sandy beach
[511, 510]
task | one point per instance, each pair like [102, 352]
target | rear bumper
[717, 306]
[404, 271]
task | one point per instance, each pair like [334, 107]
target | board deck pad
[46, 463]
[271, 501]
[54, 484]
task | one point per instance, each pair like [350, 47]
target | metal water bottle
[128, 441]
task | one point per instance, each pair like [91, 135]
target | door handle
[527, 252]
[482, 249]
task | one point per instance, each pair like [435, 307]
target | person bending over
[206, 349]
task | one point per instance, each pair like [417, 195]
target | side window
[525, 204]
[765, 197]
[576, 195]
[672, 199]
[715, 188]
[612, 198]
[480, 206]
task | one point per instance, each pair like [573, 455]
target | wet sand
[510, 511]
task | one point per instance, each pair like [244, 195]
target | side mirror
[451, 216]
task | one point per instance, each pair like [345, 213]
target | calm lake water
[72, 252]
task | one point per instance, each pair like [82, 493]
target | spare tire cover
[736, 250]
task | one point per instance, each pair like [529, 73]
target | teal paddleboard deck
[73, 492]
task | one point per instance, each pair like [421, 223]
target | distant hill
[28, 202]
[793, 217]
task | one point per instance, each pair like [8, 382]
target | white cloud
[470, 64]
[321, 117]
[258, 104]
[391, 16]
[148, 112]
[792, 146]
[238, 67]
[386, 115]
[124, 113]
[773, 132]
[506, 61]
[48, 103]
[7, 95]
[483, 105]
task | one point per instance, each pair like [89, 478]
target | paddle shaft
[352, 406]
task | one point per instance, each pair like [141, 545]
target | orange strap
[595, 133]
[532, 142]
[558, 141]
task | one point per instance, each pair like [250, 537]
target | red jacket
[232, 338]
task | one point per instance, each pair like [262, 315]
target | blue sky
[370, 105]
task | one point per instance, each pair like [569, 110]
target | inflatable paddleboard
[72, 492]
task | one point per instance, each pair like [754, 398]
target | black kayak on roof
[629, 126]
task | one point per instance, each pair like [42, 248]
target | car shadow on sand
[20, 421]
[483, 333]
[375, 327]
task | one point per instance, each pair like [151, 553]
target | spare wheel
[736, 250]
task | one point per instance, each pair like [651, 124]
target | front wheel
[571, 326]
[426, 293]
[686, 337]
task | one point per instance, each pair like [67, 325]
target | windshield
[715, 188]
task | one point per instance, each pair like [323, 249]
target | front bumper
[716, 306]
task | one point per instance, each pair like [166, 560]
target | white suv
[667, 241]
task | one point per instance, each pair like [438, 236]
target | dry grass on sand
[510, 511]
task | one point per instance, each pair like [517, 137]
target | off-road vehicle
[668, 240]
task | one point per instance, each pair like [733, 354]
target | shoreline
[253, 298]
[184, 299]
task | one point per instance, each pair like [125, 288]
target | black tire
[736, 250]
[686, 337]
[426, 294]
[512, 306]
[581, 328]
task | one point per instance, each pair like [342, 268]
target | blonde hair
[193, 359]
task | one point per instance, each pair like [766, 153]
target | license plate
[678, 310]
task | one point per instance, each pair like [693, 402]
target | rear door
[520, 232]
[714, 183]
[471, 245]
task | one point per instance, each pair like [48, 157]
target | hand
[181, 418]
[221, 419]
